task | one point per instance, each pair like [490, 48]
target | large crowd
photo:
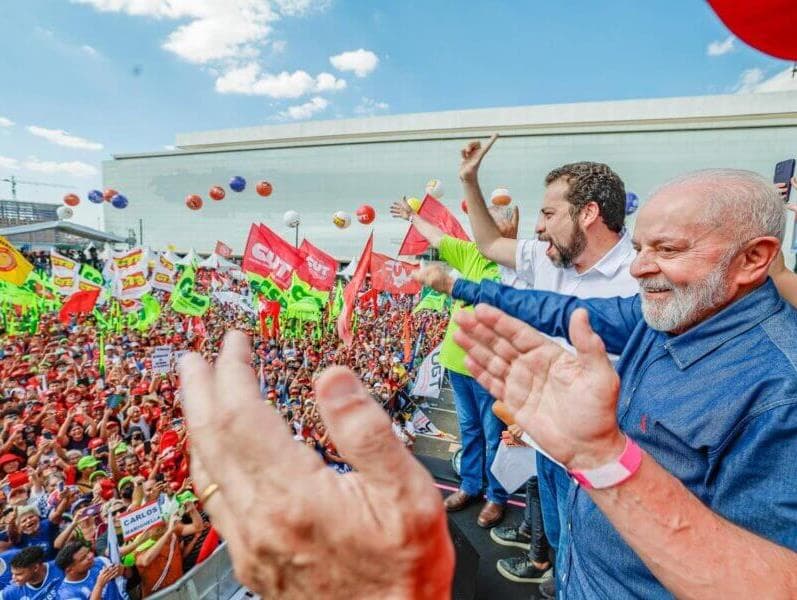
[79, 444]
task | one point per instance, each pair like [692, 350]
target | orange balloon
[71, 200]
[264, 188]
[366, 214]
[109, 193]
[194, 202]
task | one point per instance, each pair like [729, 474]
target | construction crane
[15, 182]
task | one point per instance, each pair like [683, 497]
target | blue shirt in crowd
[81, 590]
[47, 590]
[716, 406]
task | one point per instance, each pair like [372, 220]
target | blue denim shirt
[716, 406]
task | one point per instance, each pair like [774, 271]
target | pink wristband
[613, 473]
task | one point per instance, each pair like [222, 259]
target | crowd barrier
[211, 580]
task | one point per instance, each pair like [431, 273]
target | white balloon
[434, 187]
[291, 218]
[341, 219]
[64, 213]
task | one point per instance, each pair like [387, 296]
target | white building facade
[317, 168]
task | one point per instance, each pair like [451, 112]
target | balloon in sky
[264, 188]
[414, 203]
[631, 203]
[119, 201]
[194, 201]
[237, 184]
[434, 187]
[108, 194]
[71, 199]
[64, 212]
[95, 196]
[341, 219]
[500, 197]
[366, 214]
[291, 218]
[464, 206]
[216, 192]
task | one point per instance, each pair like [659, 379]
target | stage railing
[213, 579]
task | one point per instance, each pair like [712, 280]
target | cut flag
[438, 215]
[77, 304]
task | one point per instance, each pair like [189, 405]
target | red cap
[9, 458]
[96, 443]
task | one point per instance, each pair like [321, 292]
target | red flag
[268, 255]
[77, 304]
[318, 268]
[269, 308]
[352, 289]
[371, 295]
[406, 337]
[223, 249]
[433, 211]
[394, 276]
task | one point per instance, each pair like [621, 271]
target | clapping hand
[393, 542]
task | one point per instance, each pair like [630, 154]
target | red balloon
[109, 193]
[766, 25]
[366, 214]
[216, 192]
[194, 202]
[264, 188]
[71, 200]
[464, 207]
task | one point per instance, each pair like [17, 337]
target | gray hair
[742, 202]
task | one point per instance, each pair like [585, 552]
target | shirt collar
[615, 258]
[732, 321]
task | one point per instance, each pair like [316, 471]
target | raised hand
[472, 156]
[401, 209]
[393, 541]
[565, 402]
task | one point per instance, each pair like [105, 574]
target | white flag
[430, 376]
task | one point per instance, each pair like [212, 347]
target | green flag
[304, 310]
[337, 302]
[185, 300]
[267, 288]
[17, 296]
[91, 275]
[148, 313]
[432, 300]
[301, 290]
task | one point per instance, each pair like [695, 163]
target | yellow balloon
[171, 247]
[415, 204]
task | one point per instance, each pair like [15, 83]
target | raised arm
[488, 238]
[402, 210]
[614, 319]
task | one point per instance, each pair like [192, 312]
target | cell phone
[784, 171]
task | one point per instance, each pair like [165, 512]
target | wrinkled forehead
[675, 212]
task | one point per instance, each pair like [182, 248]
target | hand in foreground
[565, 402]
[435, 277]
[472, 156]
[295, 528]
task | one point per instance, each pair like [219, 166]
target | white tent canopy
[218, 263]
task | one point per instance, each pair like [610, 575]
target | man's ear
[756, 258]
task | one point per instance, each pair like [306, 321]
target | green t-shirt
[473, 266]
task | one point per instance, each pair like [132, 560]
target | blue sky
[84, 79]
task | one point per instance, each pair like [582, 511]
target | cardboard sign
[162, 359]
[141, 519]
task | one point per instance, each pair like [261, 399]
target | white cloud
[92, 52]
[306, 110]
[216, 29]
[754, 81]
[9, 163]
[62, 138]
[74, 168]
[361, 61]
[370, 107]
[718, 48]
[250, 81]
[278, 46]
[4, 122]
